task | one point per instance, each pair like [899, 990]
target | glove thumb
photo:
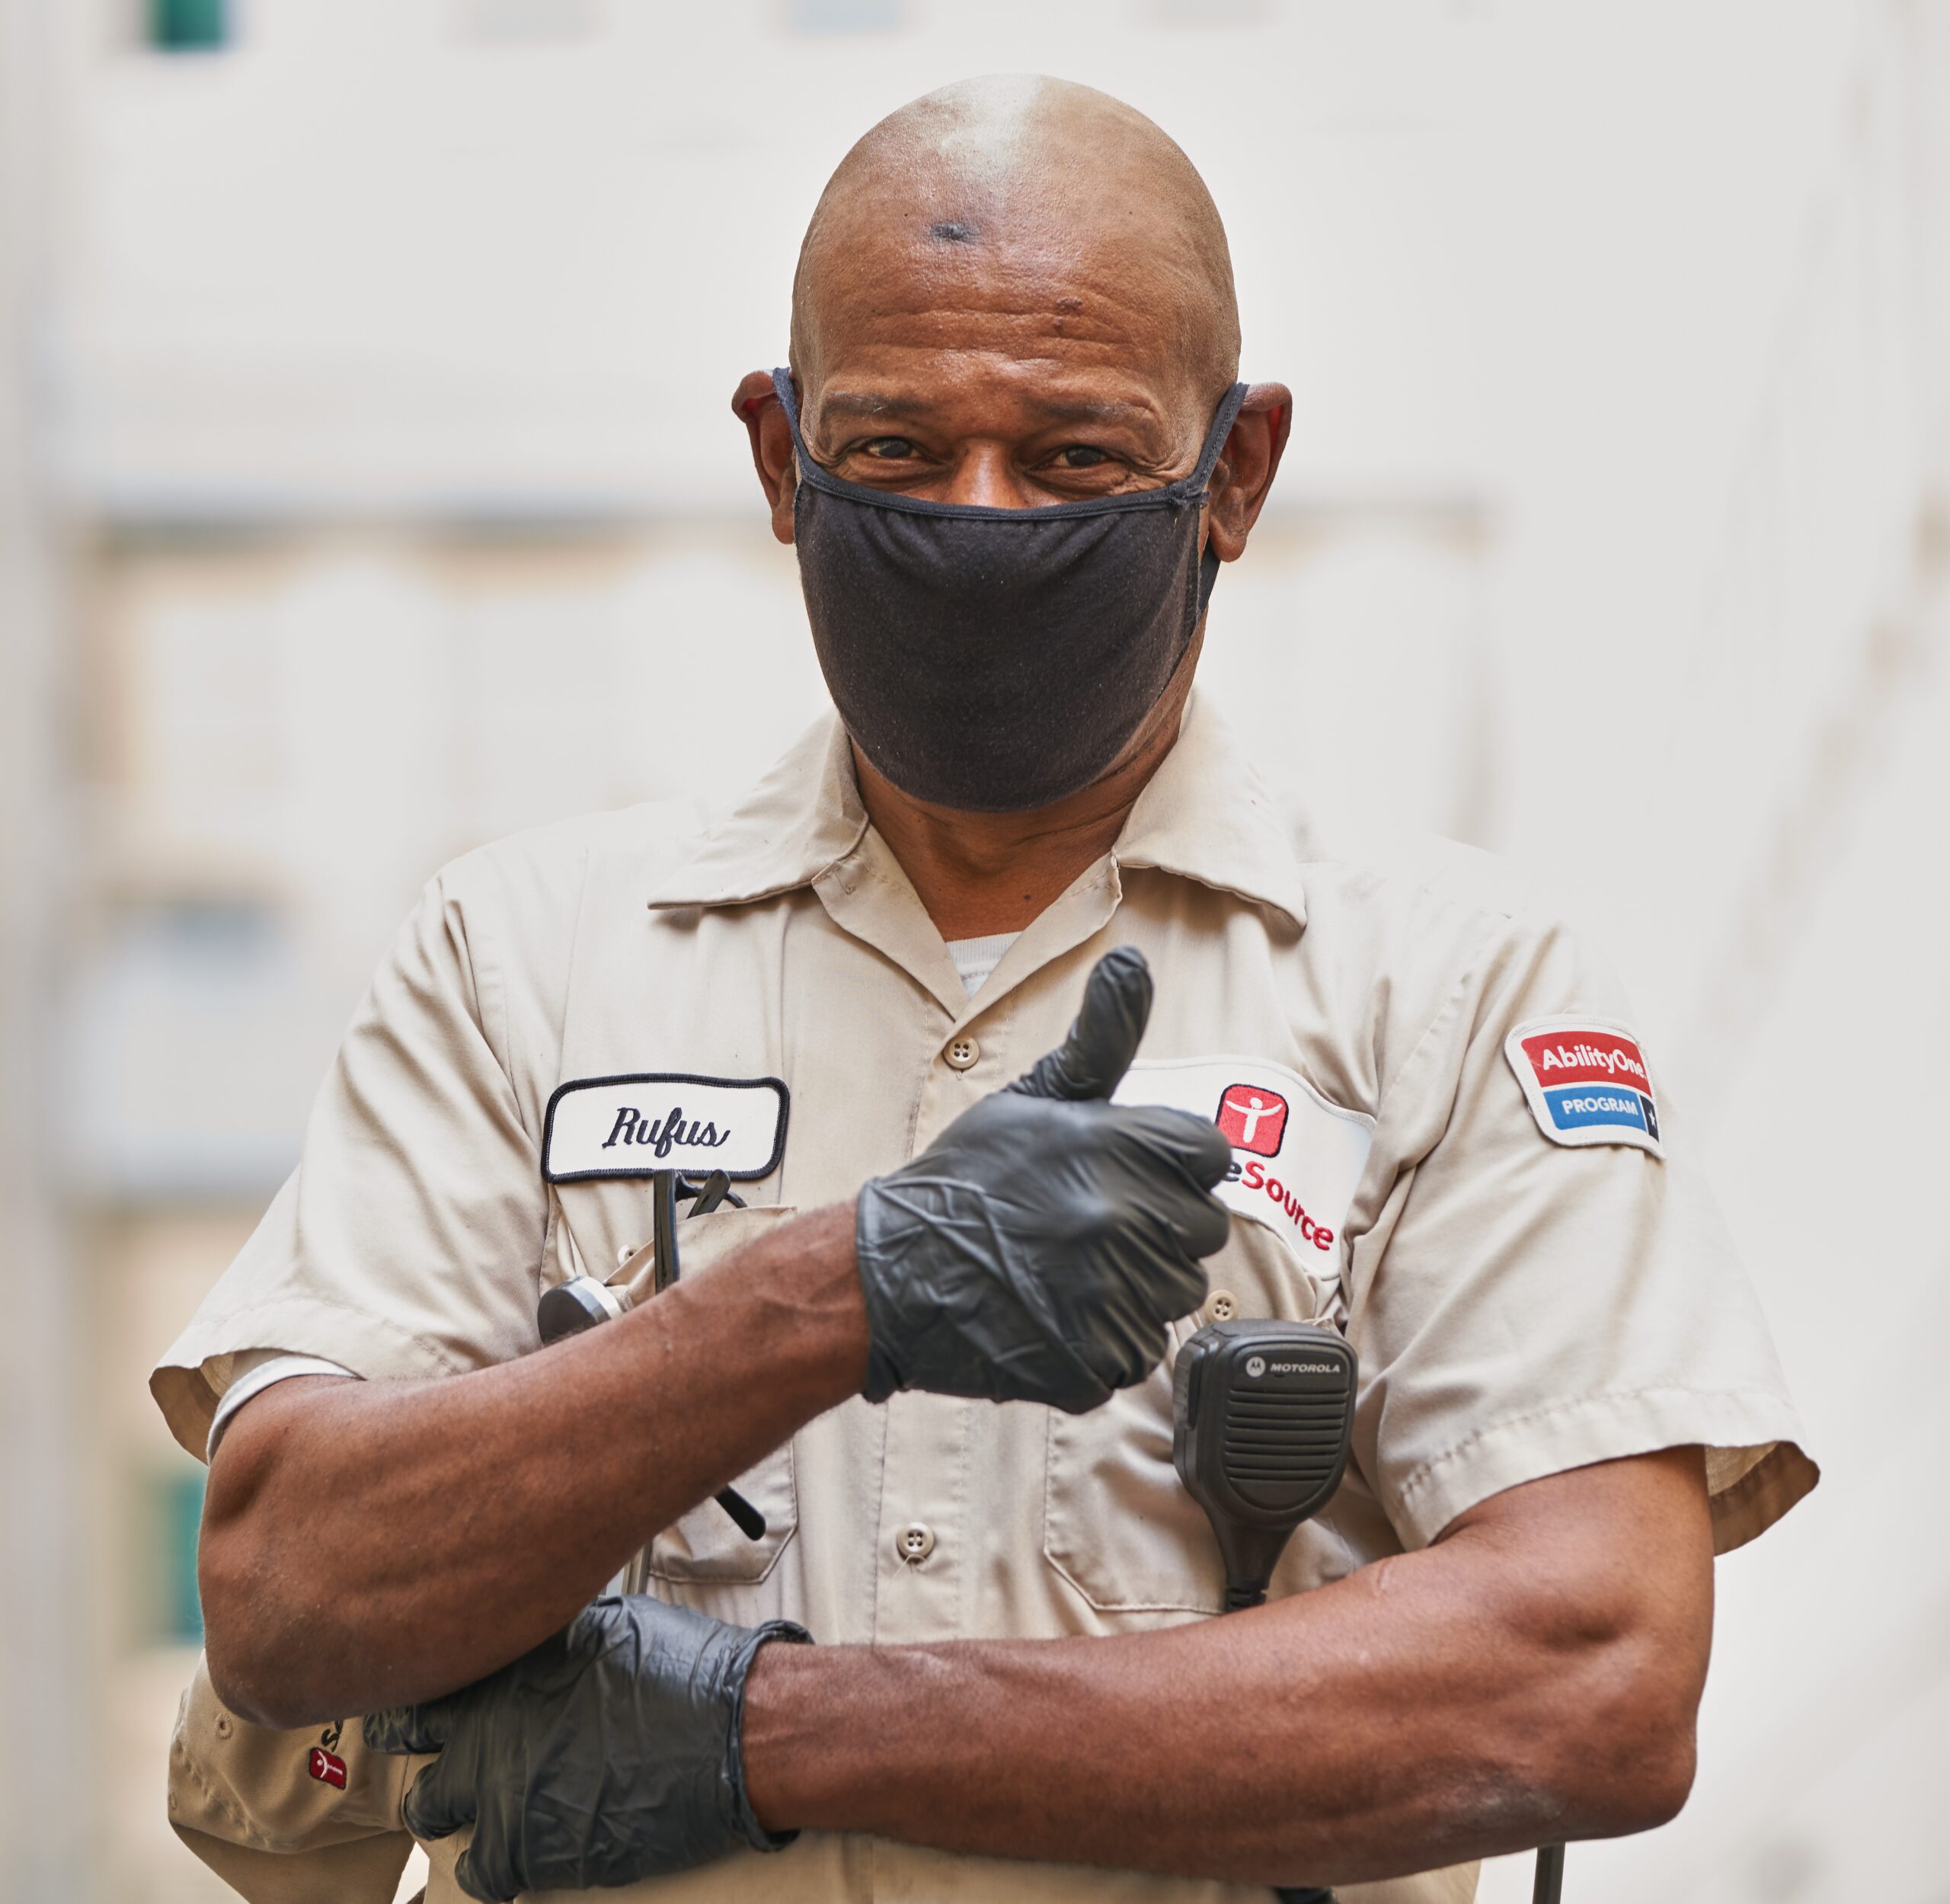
[1089, 1063]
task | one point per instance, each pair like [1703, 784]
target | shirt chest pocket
[1117, 1524]
[705, 1545]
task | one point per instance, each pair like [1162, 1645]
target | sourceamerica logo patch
[1585, 1082]
[1296, 1158]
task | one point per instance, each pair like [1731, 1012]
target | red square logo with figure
[328, 1767]
[1253, 1118]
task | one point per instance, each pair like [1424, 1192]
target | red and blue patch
[1585, 1082]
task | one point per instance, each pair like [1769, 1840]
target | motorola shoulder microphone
[1262, 1413]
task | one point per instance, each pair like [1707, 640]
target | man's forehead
[1076, 255]
[1025, 215]
[895, 405]
[1079, 332]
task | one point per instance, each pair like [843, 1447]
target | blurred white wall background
[367, 489]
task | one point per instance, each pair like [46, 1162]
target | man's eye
[889, 448]
[1081, 455]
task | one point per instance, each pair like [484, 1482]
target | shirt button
[1221, 1306]
[963, 1053]
[915, 1542]
[624, 1252]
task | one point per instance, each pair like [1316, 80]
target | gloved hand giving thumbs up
[1037, 1249]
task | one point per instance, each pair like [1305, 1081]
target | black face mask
[996, 660]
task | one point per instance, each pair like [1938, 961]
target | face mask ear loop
[1200, 478]
[788, 402]
[1228, 413]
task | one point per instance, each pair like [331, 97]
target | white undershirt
[975, 959]
[254, 1370]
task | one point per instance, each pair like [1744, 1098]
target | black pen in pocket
[582, 1303]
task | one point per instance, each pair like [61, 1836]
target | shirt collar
[803, 817]
[1206, 816]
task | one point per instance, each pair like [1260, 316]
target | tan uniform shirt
[1521, 1304]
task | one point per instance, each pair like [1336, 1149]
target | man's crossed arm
[1533, 1676]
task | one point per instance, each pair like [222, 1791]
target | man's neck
[979, 873]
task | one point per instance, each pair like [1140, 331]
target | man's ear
[756, 405]
[1246, 466]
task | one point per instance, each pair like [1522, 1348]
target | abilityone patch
[1585, 1082]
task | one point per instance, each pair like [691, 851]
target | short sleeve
[408, 1241]
[1526, 1302]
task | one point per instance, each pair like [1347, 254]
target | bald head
[1016, 293]
[1035, 199]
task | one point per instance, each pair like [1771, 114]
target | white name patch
[1297, 1159]
[632, 1126]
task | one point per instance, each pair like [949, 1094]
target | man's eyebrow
[874, 404]
[1083, 410]
[867, 403]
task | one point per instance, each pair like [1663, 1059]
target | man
[933, 1355]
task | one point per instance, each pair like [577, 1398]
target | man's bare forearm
[369, 1544]
[1501, 1690]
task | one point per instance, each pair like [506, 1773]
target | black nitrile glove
[613, 1751]
[1037, 1249]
